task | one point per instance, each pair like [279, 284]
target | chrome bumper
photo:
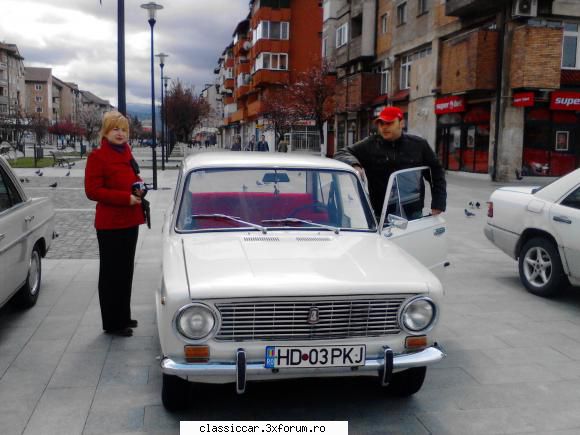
[240, 370]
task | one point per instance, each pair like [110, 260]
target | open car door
[406, 218]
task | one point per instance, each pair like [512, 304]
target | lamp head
[162, 57]
[152, 8]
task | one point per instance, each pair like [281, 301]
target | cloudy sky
[78, 40]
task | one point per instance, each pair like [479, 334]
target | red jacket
[108, 180]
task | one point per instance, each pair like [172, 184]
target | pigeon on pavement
[53, 185]
[40, 174]
[468, 213]
[477, 204]
[22, 180]
[37, 171]
[519, 175]
[67, 174]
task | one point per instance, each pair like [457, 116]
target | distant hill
[143, 112]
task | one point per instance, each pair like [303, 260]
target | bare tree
[185, 110]
[279, 111]
[313, 95]
[91, 120]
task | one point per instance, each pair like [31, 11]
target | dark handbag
[145, 205]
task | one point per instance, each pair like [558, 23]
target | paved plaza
[513, 362]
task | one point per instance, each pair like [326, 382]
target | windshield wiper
[231, 218]
[336, 230]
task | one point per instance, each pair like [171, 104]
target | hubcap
[537, 266]
[34, 272]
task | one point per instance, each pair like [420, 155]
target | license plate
[319, 356]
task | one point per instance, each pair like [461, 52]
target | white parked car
[274, 268]
[539, 227]
[26, 232]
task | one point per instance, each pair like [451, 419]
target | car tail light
[490, 209]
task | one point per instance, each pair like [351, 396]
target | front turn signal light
[196, 354]
[416, 342]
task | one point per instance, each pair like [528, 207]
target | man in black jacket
[378, 156]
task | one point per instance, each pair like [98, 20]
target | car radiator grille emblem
[313, 316]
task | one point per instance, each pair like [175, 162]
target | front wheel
[28, 294]
[540, 268]
[174, 393]
[407, 382]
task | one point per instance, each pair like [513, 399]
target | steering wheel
[317, 207]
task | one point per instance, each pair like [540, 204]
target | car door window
[409, 198]
[9, 195]
[573, 200]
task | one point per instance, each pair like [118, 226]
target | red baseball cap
[389, 114]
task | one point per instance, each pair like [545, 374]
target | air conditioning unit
[525, 8]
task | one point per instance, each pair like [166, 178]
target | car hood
[294, 264]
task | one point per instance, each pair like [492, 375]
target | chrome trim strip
[256, 370]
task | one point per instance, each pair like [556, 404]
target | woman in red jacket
[109, 177]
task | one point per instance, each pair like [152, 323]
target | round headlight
[418, 315]
[195, 321]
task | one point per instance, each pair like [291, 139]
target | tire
[28, 293]
[540, 268]
[407, 382]
[174, 393]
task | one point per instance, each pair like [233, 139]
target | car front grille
[289, 320]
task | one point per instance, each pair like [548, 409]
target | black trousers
[117, 261]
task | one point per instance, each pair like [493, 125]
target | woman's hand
[135, 200]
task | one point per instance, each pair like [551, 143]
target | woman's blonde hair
[113, 120]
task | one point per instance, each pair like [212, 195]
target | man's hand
[135, 200]
[360, 171]
[435, 211]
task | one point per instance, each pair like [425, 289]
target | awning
[400, 96]
[381, 100]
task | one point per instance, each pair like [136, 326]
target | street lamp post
[152, 8]
[164, 125]
[162, 57]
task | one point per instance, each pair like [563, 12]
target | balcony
[237, 116]
[470, 8]
[242, 47]
[229, 84]
[243, 68]
[265, 77]
[3, 66]
[270, 14]
[241, 91]
[469, 62]
[270, 46]
[254, 109]
[357, 91]
[536, 58]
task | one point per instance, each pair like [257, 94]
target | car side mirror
[397, 221]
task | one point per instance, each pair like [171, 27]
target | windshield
[273, 198]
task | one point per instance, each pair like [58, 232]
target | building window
[384, 23]
[402, 14]
[39, 110]
[571, 46]
[3, 108]
[229, 73]
[404, 82]
[342, 35]
[272, 30]
[38, 99]
[38, 87]
[325, 10]
[385, 79]
[273, 61]
[324, 46]
[422, 7]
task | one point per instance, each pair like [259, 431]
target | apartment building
[277, 41]
[66, 101]
[511, 76]
[38, 92]
[12, 87]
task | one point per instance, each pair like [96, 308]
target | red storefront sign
[452, 104]
[562, 100]
[523, 99]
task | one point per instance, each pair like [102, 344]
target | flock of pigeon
[472, 205]
[39, 173]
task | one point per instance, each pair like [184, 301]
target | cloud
[78, 40]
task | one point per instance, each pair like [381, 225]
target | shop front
[463, 134]
[552, 135]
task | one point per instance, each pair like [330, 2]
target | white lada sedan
[274, 267]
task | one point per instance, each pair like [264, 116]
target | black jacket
[380, 158]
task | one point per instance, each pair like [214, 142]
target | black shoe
[133, 323]
[123, 332]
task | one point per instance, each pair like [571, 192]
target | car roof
[243, 159]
